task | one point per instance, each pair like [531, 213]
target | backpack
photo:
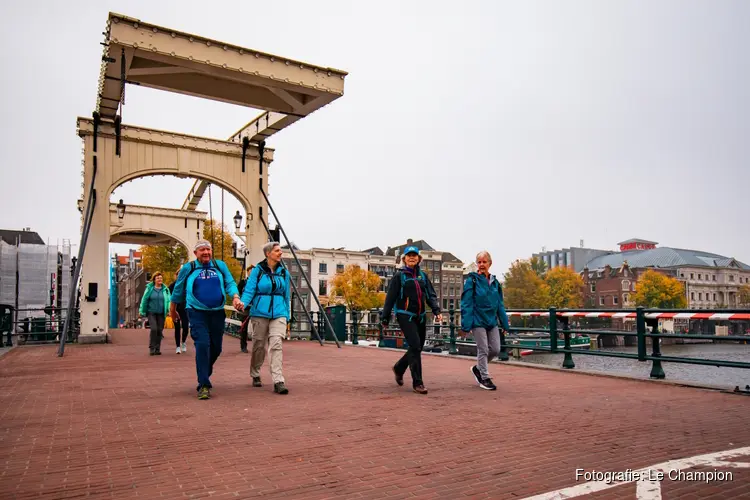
[404, 279]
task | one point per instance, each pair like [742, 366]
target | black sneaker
[256, 382]
[477, 375]
[244, 349]
[280, 388]
[399, 378]
[487, 384]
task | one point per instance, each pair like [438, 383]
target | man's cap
[201, 244]
[411, 249]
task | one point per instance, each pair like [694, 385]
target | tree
[523, 288]
[357, 289]
[656, 290]
[743, 297]
[565, 288]
[538, 266]
[164, 259]
[167, 259]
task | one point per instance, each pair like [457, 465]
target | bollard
[552, 330]
[355, 327]
[503, 354]
[568, 360]
[451, 314]
[640, 325]
[656, 369]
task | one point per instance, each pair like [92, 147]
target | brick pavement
[109, 421]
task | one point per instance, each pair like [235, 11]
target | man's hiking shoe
[256, 382]
[204, 393]
[280, 388]
[420, 389]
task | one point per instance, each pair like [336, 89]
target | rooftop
[665, 257]
[10, 237]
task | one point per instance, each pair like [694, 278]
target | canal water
[728, 377]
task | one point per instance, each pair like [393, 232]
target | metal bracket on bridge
[245, 145]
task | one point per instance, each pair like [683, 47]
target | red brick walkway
[108, 421]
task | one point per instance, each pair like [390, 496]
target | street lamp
[237, 220]
[120, 210]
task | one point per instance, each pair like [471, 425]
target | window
[700, 296]
[445, 303]
[322, 287]
[437, 278]
[452, 294]
[451, 304]
[452, 279]
[692, 276]
[322, 269]
[700, 276]
[601, 301]
[593, 287]
[625, 298]
[731, 277]
[339, 268]
[682, 275]
[626, 285]
[615, 300]
[714, 277]
[692, 295]
[305, 267]
[714, 297]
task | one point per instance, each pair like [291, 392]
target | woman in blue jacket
[155, 305]
[481, 307]
[266, 297]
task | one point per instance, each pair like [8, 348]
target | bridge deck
[109, 421]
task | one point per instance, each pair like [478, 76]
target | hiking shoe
[256, 382]
[244, 349]
[178, 351]
[420, 389]
[204, 393]
[280, 388]
[184, 347]
[399, 378]
[487, 384]
[477, 375]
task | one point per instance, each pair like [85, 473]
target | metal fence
[566, 331]
[36, 325]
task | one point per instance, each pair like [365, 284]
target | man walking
[203, 286]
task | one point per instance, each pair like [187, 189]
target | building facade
[711, 281]
[574, 258]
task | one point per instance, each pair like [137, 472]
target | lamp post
[237, 220]
[120, 210]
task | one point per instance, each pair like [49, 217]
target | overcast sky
[505, 126]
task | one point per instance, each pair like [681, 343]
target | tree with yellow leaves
[356, 288]
[167, 259]
[164, 259]
[565, 288]
[743, 296]
[656, 290]
[523, 288]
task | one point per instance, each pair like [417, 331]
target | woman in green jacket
[155, 305]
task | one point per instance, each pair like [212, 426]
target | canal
[728, 377]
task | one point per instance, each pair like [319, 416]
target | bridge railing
[554, 332]
[36, 325]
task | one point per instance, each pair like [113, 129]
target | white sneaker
[178, 351]
[184, 347]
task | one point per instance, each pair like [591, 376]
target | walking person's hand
[439, 318]
[237, 303]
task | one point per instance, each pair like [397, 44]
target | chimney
[409, 241]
